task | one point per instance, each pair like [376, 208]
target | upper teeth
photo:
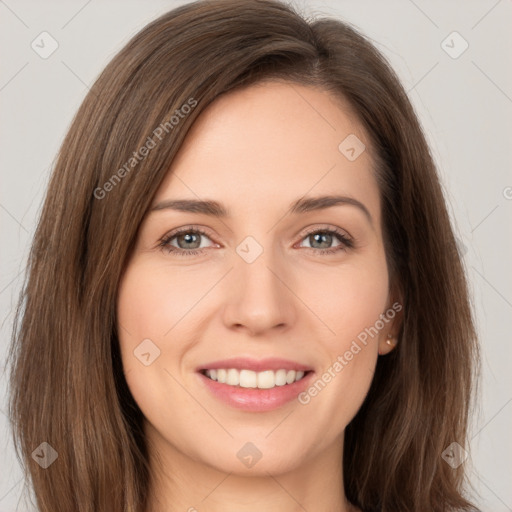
[249, 379]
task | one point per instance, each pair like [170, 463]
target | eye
[187, 241]
[184, 242]
[321, 240]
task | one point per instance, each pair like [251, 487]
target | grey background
[464, 104]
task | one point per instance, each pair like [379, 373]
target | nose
[260, 299]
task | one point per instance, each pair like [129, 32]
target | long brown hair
[67, 383]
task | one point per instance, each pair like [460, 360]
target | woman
[244, 291]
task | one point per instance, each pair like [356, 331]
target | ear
[393, 316]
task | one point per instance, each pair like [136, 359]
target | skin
[256, 150]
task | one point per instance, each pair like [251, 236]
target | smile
[243, 378]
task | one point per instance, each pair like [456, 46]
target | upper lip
[257, 365]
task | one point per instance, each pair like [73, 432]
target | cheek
[157, 312]
[151, 303]
[144, 316]
[351, 305]
[352, 300]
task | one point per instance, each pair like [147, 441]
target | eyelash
[164, 242]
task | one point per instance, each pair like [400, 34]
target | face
[288, 305]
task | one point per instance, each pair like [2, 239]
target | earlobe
[390, 345]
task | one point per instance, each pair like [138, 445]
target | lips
[255, 385]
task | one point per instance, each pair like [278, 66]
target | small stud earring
[388, 341]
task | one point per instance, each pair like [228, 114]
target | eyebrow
[302, 205]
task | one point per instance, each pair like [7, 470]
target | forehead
[271, 143]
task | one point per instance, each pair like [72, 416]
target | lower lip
[255, 399]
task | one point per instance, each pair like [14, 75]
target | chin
[258, 457]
